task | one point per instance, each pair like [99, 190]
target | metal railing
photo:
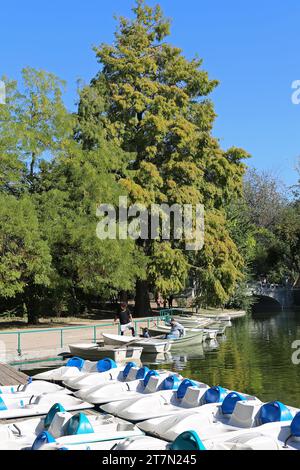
[61, 331]
[167, 313]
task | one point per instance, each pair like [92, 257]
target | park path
[35, 340]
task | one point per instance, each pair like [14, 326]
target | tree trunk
[32, 306]
[142, 300]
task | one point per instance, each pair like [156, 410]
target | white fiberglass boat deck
[149, 345]
[38, 405]
[186, 394]
[66, 428]
[116, 391]
[31, 388]
[92, 379]
[77, 367]
[237, 413]
[187, 441]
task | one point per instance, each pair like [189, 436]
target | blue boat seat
[150, 374]
[43, 438]
[127, 369]
[78, 424]
[295, 425]
[142, 372]
[75, 362]
[184, 386]
[171, 382]
[188, 440]
[106, 364]
[230, 401]
[274, 411]
[56, 408]
[215, 394]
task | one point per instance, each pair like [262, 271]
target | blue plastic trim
[106, 364]
[150, 374]
[215, 394]
[188, 440]
[128, 368]
[75, 362]
[2, 405]
[171, 382]
[78, 424]
[230, 401]
[295, 425]
[56, 408]
[274, 411]
[43, 438]
[184, 386]
[142, 372]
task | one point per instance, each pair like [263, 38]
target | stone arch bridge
[278, 296]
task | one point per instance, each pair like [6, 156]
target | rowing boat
[94, 351]
[149, 345]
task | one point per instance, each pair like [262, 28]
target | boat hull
[93, 351]
[149, 345]
[191, 337]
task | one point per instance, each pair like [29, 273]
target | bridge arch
[265, 303]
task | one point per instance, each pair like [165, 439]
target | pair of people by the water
[125, 319]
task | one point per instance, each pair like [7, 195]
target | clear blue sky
[252, 48]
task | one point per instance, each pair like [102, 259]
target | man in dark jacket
[125, 319]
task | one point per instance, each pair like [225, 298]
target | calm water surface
[254, 357]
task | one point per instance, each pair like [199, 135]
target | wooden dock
[11, 376]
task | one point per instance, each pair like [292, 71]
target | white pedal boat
[65, 427]
[11, 407]
[92, 379]
[31, 388]
[162, 402]
[116, 391]
[278, 429]
[235, 415]
[149, 345]
[77, 367]
[187, 441]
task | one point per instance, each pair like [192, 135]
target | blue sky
[252, 48]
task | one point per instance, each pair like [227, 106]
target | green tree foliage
[73, 187]
[275, 227]
[34, 124]
[25, 257]
[153, 102]
[52, 187]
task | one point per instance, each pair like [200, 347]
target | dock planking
[11, 376]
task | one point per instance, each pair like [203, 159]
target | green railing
[94, 328]
[167, 313]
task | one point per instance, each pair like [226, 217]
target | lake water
[255, 357]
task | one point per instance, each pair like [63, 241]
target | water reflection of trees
[255, 359]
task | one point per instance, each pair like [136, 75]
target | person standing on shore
[125, 319]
